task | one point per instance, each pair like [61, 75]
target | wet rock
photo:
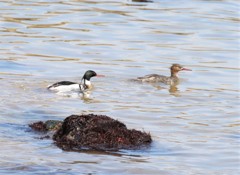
[38, 126]
[94, 132]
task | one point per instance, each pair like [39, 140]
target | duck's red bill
[98, 75]
[186, 69]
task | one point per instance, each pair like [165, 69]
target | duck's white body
[66, 86]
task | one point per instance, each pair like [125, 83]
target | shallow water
[195, 126]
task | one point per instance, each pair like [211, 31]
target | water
[194, 126]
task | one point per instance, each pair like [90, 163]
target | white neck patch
[87, 82]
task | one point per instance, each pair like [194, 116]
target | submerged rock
[97, 132]
[53, 125]
[49, 125]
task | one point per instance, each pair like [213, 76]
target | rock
[95, 132]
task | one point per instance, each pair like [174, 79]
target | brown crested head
[178, 67]
[175, 68]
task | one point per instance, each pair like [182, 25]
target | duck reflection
[172, 89]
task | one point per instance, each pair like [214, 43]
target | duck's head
[89, 74]
[178, 67]
[175, 68]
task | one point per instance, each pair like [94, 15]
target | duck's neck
[174, 74]
[87, 83]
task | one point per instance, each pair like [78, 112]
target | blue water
[194, 126]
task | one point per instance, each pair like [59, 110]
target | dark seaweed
[93, 132]
[98, 132]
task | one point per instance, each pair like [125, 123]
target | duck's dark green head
[89, 74]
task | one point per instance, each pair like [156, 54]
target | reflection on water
[174, 91]
[194, 125]
[72, 94]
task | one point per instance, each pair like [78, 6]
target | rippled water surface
[194, 126]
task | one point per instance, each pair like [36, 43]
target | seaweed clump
[98, 132]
